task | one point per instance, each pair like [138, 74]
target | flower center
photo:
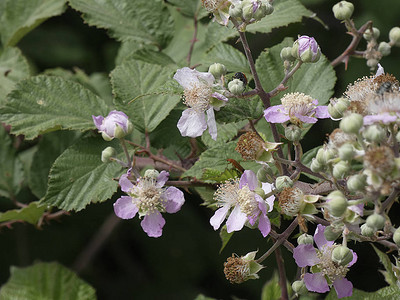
[213, 5]
[148, 200]
[247, 201]
[290, 200]
[249, 145]
[236, 269]
[198, 96]
[380, 160]
[327, 266]
[227, 193]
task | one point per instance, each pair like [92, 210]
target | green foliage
[78, 177]
[47, 103]
[238, 109]
[21, 16]
[31, 213]
[271, 290]
[46, 281]
[218, 176]
[189, 8]
[146, 22]
[314, 79]
[307, 159]
[387, 293]
[389, 274]
[226, 132]
[225, 237]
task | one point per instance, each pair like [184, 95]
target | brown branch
[193, 41]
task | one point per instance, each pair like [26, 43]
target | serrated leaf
[225, 237]
[21, 16]
[357, 295]
[47, 103]
[31, 213]
[315, 79]
[240, 109]
[13, 68]
[206, 194]
[189, 8]
[390, 277]
[78, 177]
[271, 290]
[152, 57]
[386, 293]
[45, 281]
[226, 132]
[143, 21]
[143, 83]
[218, 176]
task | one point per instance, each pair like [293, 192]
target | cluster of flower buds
[249, 11]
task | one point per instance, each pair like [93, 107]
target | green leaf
[13, 68]
[11, 170]
[307, 159]
[141, 82]
[271, 290]
[207, 195]
[31, 213]
[226, 132]
[21, 16]
[78, 177]
[225, 237]
[240, 109]
[218, 176]
[357, 295]
[189, 8]
[46, 281]
[314, 79]
[390, 277]
[146, 22]
[152, 57]
[202, 297]
[386, 293]
[47, 103]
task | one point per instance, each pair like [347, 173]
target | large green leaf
[21, 16]
[13, 68]
[11, 171]
[47, 103]
[238, 109]
[147, 22]
[79, 177]
[271, 290]
[314, 79]
[225, 133]
[31, 213]
[46, 281]
[189, 8]
[390, 276]
[143, 83]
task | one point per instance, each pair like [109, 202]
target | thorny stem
[128, 157]
[188, 183]
[282, 274]
[193, 41]
[276, 90]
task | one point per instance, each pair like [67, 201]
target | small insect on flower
[241, 77]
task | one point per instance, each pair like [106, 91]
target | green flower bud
[306, 49]
[342, 255]
[269, 9]
[375, 221]
[337, 107]
[236, 10]
[394, 36]
[305, 239]
[236, 86]
[372, 63]
[107, 153]
[374, 133]
[352, 123]
[384, 48]
[346, 152]
[356, 183]
[343, 10]
[396, 236]
[264, 173]
[367, 231]
[260, 192]
[331, 234]
[248, 12]
[283, 182]
[286, 54]
[341, 169]
[316, 166]
[368, 35]
[293, 133]
[217, 70]
[299, 287]
[337, 203]
[151, 173]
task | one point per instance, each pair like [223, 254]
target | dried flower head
[249, 145]
[338, 138]
[239, 269]
[290, 200]
[379, 160]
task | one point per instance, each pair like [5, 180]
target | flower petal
[343, 288]
[276, 114]
[162, 179]
[124, 208]
[125, 183]
[236, 220]
[306, 119]
[98, 121]
[354, 260]
[175, 199]
[152, 224]
[248, 178]
[192, 123]
[305, 255]
[264, 225]
[321, 112]
[319, 237]
[316, 282]
[219, 216]
[384, 118]
[268, 187]
[212, 125]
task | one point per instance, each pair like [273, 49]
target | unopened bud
[217, 70]
[396, 236]
[384, 48]
[260, 192]
[283, 182]
[342, 255]
[236, 86]
[356, 183]
[341, 169]
[248, 10]
[264, 173]
[367, 231]
[337, 203]
[394, 36]
[337, 107]
[316, 166]
[352, 123]
[151, 173]
[107, 153]
[343, 10]
[374, 133]
[331, 234]
[299, 287]
[375, 221]
[236, 10]
[346, 152]
[305, 239]
[368, 35]
[286, 54]
[306, 49]
[293, 133]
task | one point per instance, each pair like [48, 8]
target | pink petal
[316, 282]
[321, 112]
[236, 220]
[264, 225]
[358, 209]
[305, 255]
[219, 216]
[319, 237]
[267, 187]
[248, 178]
[152, 224]
[175, 199]
[343, 287]
[98, 121]
[125, 183]
[354, 260]
[212, 125]
[162, 179]
[219, 96]
[306, 119]
[124, 208]
[192, 123]
[276, 114]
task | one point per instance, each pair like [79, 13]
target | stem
[123, 144]
[193, 41]
[285, 79]
[282, 274]
[188, 183]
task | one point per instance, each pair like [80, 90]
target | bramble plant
[190, 114]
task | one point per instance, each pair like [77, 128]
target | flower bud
[283, 182]
[396, 236]
[330, 234]
[305, 239]
[367, 231]
[306, 49]
[394, 36]
[374, 133]
[343, 10]
[299, 287]
[351, 123]
[346, 152]
[375, 221]
[337, 203]
[236, 86]
[293, 133]
[217, 70]
[236, 10]
[260, 192]
[247, 10]
[107, 153]
[342, 255]
[384, 48]
[341, 169]
[151, 173]
[115, 125]
[316, 166]
[286, 54]
[356, 183]
[325, 154]
[337, 107]
[368, 35]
